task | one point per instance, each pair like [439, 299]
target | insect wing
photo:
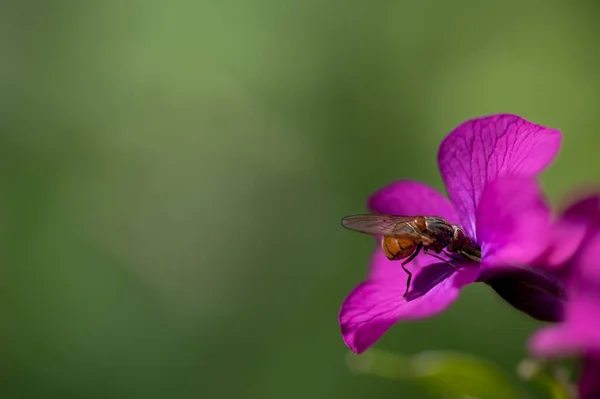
[384, 225]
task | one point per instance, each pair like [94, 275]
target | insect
[405, 236]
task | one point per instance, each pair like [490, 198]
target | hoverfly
[405, 236]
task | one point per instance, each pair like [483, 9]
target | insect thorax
[441, 231]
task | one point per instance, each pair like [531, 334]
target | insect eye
[460, 235]
[459, 239]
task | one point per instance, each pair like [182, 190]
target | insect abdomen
[397, 248]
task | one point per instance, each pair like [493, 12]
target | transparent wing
[384, 225]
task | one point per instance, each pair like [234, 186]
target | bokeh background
[173, 175]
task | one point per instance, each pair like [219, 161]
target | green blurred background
[173, 175]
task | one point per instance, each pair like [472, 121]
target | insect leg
[442, 259]
[450, 256]
[407, 271]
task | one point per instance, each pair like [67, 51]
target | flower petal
[483, 149]
[579, 333]
[412, 198]
[539, 295]
[570, 230]
[513, 222]
[375, 305]
[587, 273]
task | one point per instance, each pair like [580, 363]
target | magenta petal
[406, 197]
[587, 274]
[513, 222]
[579, 333]
[540, 295]
[375, 305]
[570, 231]
[483, 149]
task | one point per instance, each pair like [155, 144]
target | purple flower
[574, 255]
[488, 165]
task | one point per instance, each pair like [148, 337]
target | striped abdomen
[398, 248]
